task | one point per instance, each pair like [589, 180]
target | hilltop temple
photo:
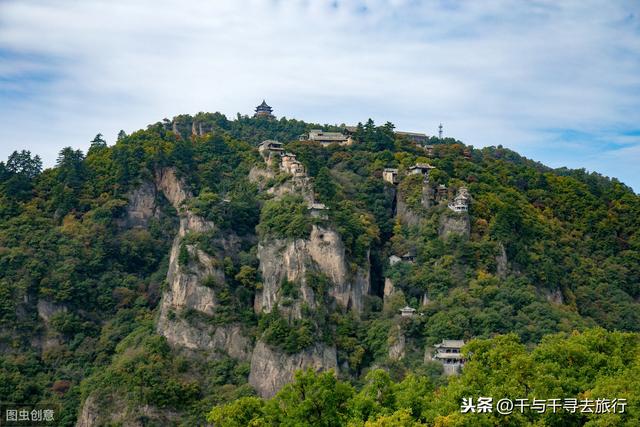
[264, 110]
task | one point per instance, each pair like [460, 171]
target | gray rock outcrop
[406, 215]
[114, 410]
[501, 262]
[142, 206]
[271, 369]
[454, 223]
[322, 252]
[397, 343]
[185, 291]
[46, 310]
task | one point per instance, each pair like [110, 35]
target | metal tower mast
[440, 131]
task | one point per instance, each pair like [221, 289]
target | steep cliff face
[89, 414]
[46, 310]
[261, 175]
[290, 260]
[397, 343]
[116, 411]
[270, 369]
[502, 262]
[142, 206]
[404, 214]
[454, 223]
[185, 291]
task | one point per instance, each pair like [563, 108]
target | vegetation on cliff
[549, 251]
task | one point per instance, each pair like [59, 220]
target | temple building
[350, 130]
[461, 202]
[318, 210]
[390, 175]
[270, 146]
[263, 110]
[292, 166]
[448, 352]
[418, 138]
[327, 138]
[407, 311]
[422, 168]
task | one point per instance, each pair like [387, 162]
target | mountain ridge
[145, 260]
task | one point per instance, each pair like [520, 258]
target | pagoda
[263, 110]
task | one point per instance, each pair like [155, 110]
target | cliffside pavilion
[448, 353]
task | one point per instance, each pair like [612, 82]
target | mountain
[185, 273]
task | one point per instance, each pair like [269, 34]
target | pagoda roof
[450, 344]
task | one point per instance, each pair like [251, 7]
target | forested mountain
[181, 277]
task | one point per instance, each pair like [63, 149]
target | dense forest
[162, 279]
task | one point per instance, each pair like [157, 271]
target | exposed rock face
[427, 199]
[260, 176]
[406, 215]
[501, 262]
[270, 370]
[299, 186]
[116, 411]
[142, 207]
[291, 260]
[323, 252]
[388, 287]
[174, 189]
[185, 289]
[555, 297]
[46, 310]
[454, 223]
[89, 415]
[397, 344]
[198, 335]
[425, 299]
[184, 281]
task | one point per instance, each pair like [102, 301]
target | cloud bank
[557, 81]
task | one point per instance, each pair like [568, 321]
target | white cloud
[499, 71]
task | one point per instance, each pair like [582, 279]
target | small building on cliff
[461, 202]
[390, 175]
[270, 146]
[407, 311]
[448, 352]
[421, 168]
[318, 210]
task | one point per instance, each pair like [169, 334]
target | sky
[556, 81]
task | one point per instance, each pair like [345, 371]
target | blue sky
[558, 82]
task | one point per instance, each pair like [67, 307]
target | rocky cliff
[294, 261]
[116, 411]
[142, 206]
[271, 369]
[397, 343]
[404, 214]
[454, 223]
[322, 252]
[185, 290]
